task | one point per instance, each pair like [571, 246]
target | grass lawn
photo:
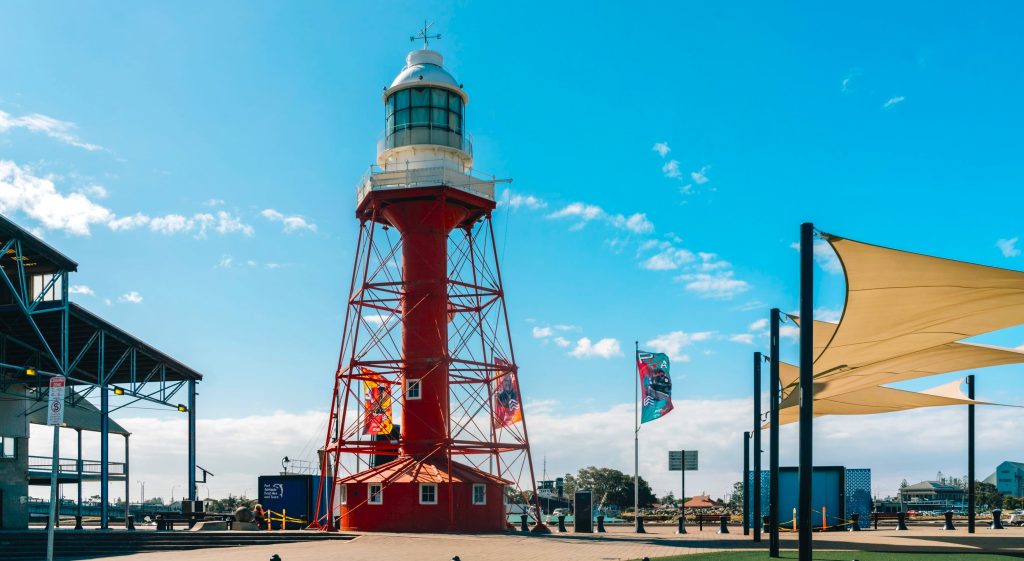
[837, 556]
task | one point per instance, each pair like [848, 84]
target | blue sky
[215, 151]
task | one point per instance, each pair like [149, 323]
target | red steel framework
[426, 303]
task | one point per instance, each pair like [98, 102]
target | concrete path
[619, 544]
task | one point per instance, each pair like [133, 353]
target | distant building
[1008, 479]
[932, 493]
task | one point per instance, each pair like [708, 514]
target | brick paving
[619, 544]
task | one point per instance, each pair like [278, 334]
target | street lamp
[173, 487]
[284, 464]
[142, 493]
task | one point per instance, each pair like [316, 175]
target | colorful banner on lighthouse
[377, 403]
[508, 407]
[655, 385]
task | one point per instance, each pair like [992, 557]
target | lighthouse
[427, 431]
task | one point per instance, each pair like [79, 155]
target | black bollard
[901, 521]
[129, 522]
[997, 519]
[949, 521]
[275, 557]
[524, 526]
[640, 525]
[600, 523]
[854, 522]
[723, 524]
[78, 522]
[681, 529]
[766, 522]
[561, 524]
[456, 558]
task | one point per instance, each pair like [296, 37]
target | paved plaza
[616, 545]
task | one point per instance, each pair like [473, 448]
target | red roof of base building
[700, 501]
[406, 469]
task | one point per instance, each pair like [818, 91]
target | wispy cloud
[38, 198]
[745, 338]
[671, 169]
[712, 277]
[700, 177]
[824, 256]
[53, 128]
[583, 213]
[81, 289]
[292, 222]
[849, 78]
[661, 148]
[1008, 247]
[605, 348]
[517, 200]
[893, 101]
[132, 297]
[672, 343]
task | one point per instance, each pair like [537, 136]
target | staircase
[30, 545]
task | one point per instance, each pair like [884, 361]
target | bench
[897, 517]
[701, 519]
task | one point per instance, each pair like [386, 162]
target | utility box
[293, 495]
[583, 509]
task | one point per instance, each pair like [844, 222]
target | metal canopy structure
[43, 335]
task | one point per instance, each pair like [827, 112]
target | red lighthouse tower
[427, 430]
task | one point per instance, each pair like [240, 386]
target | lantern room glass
[424, 115]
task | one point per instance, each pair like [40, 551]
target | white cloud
[542, 332]
[228, 224]
[37, 197]
[292, 222]
[132, 297]
[700, 177]
[671, 169]
[827, 314]
[53, 128]
[636, 223]
[605, 348]
[128, 222]
[98, 191]
[516, 200]
[661, 148]
[1008, 247]
[81, 289]
[791, 332]
[759, 325]
[893, 101]
[213, 202]
[225, 262]
[562, 341]
[668, 257]
[672, 343]
[171, 224]
[719, 285]
[746, 338]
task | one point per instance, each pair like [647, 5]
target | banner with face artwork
[508, 407]
[377, 404]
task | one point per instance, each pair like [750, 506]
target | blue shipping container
[292, 495]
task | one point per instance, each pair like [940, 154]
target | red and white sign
[56, 416]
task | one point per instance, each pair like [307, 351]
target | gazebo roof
[700, 501]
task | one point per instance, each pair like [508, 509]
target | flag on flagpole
[655, 385]
[508, 407]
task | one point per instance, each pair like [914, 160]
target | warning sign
[56, 417]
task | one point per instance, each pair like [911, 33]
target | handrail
[70, 465]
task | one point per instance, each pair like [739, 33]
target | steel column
[773, 434]
[971, 491]
[104, 439]
[806, 388]
[127, 484]
[78, 465]
[747, 512]
[756, 434]
[192, 440]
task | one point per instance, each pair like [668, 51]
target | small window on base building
[479, 494]
[343, 494]
[375, 494]
[428, 493]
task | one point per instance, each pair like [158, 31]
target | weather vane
[423, 34]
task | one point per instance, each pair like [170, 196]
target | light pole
[173, 487]
[142, 492]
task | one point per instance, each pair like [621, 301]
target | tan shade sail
[875, 400]
[899, 302]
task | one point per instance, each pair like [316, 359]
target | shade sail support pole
[773, 435]
[755, 513]
[806, 388]
[971, 490]
[747, 512]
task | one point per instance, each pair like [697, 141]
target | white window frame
[425, 486]
[343, 494]
[419, 389]
[484, 495]
[369, 494]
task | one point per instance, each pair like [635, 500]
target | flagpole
[636, 436]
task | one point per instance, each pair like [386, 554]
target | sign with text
[56, 416]
[676, 460]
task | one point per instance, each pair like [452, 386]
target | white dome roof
[425, 68]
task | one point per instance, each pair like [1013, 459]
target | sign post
[682, 461]
[55, 418]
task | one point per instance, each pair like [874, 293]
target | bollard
[949, 521]
[640, 525]
[129, 522]
[723, 524]
[275, 557]
[854, 522]
[681, 529]
[524, 527]
[561, 524]
[876, 519]
[600, 523]
[284, 519]
[78, 522]
[997, 519]
[901, 521]
[456, 558]
[766, 522]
